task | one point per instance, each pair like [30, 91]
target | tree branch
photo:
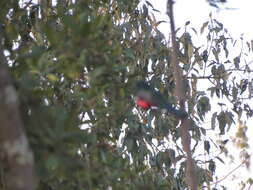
[229, 173]
[191, 178]
[21, 174]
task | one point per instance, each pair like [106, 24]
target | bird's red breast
[143, 104]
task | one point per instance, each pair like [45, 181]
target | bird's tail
[176, 112]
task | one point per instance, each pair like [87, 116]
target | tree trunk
[13, 141]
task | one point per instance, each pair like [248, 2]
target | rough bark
[191, 177]
[13, 141]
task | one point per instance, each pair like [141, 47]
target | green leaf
[234, 92]
[220, 159]
[213, 120]
[97, 72]
[222, 122]
[129, 53]
[52, 77]
[203, 106]
[205, 24]
[237, 61]
[52, 162]
[207, 146]
[212, 166]
[187, 23]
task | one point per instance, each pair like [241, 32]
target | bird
[147, 97]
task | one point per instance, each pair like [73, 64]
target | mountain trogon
[147, 96]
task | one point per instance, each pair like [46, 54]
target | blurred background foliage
[74, 65]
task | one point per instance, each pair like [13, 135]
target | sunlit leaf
[52, 77]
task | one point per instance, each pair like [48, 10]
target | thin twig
[229, 173]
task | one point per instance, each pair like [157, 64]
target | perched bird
[147, 96]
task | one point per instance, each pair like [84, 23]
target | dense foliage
[74, 65]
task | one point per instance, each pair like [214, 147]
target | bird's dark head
[142, 85]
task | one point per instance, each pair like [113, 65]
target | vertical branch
[191, 178]
[178, 76]
[13, 141]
